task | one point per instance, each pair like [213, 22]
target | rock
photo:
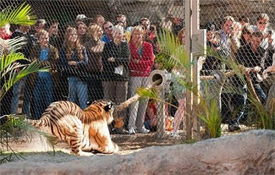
[248, 153]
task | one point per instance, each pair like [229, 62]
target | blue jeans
[78, 91]
[260, 92]
[42, 95]
[17, 88]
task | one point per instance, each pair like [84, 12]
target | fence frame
[195, 46]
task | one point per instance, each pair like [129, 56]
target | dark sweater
[94, 58]
[79, 70]
[248, 58]
[121, 54]
[26, 48]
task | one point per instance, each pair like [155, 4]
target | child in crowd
[151, 119]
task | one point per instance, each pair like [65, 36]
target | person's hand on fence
[135, 61]
[111, 59]
[98, 48]
[270, 69]
[257, 69]
[72, 63]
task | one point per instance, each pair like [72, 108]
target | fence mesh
[72, 80]
[233, 28]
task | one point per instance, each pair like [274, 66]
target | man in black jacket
[22, 87]
[251, 56]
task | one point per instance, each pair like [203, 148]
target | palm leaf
[18, 123]
[147, 93]
[229, 62]
[16, 43]
[7, 60]
[15, 76]
[171, 46]
[21, 15]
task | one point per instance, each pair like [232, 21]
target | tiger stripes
[84, 130]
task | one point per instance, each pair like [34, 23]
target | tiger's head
[100, 109]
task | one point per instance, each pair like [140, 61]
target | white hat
[80, 17]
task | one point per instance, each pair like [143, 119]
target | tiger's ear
[108, 106]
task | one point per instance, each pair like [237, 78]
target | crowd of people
[94, 59]
[100, 59]
[251, 46]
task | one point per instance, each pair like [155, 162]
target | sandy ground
[127, 143]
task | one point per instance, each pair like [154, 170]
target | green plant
[9, 65]
[11, 71]
[21, 15]
[207, 110]
[173, 55]
[211, 116]
[15, 126]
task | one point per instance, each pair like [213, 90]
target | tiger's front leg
[101, 140]
[75, 140]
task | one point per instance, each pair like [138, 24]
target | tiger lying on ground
[84, 130]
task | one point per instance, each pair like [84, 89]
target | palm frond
[7, 60]
[147, 93]
[170, 45]
[21, 15]
[229, 62]
[31, 68]
[15, 76]
[18, 124]
[16, 43]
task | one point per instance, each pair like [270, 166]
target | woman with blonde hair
[43, 82]
[94, 49]
[74, 58]
[140, 66]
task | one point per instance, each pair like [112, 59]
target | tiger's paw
[111, 149]
[116, 148]
[82, 153]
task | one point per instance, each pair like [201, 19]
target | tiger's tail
[38, 123]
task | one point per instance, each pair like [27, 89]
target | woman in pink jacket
[140, 66]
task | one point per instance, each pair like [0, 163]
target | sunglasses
[109, 27]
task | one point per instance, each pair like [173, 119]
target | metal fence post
[161, 115]
[195, 47]
[188, 48]
[198, 51]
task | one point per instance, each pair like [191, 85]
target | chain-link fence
[97, 67]
[241, 31]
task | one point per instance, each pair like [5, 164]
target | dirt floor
[132, 143]
[127, 143]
